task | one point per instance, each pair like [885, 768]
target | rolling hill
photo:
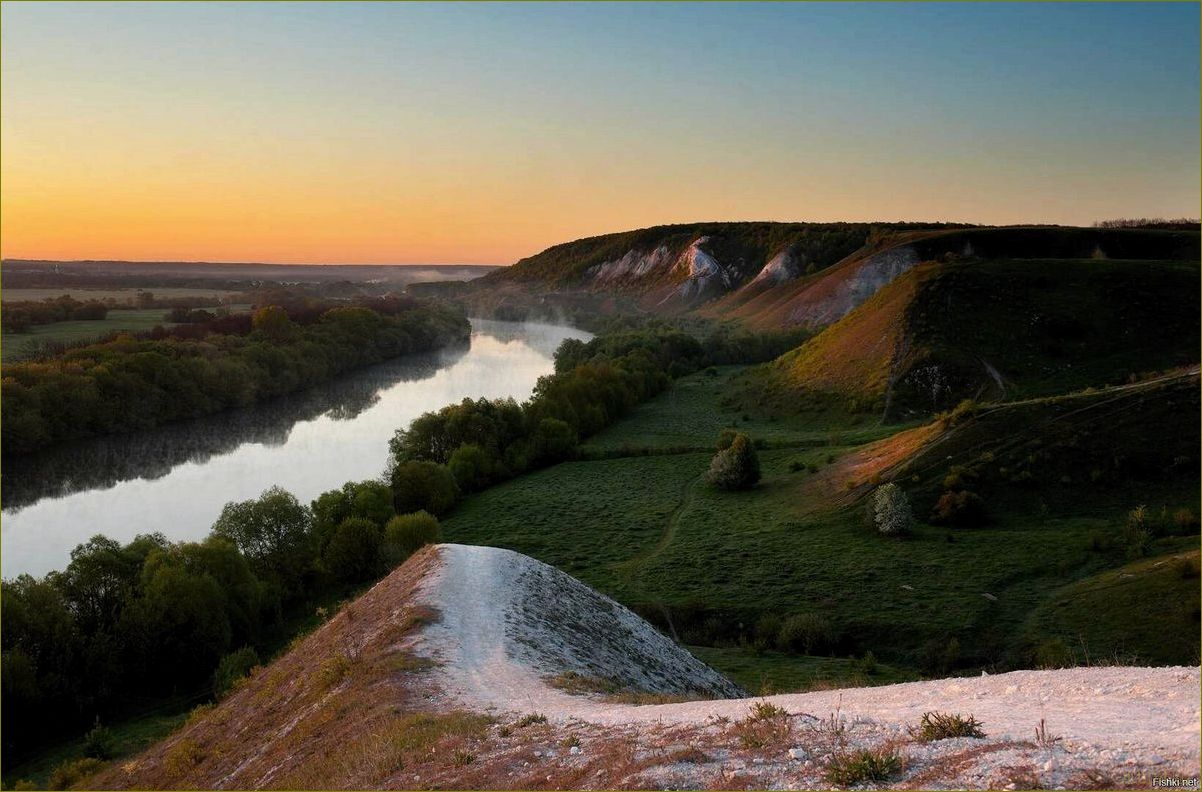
[784, 274]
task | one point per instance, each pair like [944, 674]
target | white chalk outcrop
[781, 268]
[870, 276]
[508, 623]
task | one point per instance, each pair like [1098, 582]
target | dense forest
[131, 383]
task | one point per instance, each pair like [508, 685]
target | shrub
[867, 664]
[471, 467]
[71, 772]
[99, 742]
[1184, 521]
[856, 767]
[939, 656]
[353, 553]
[423, 486]
[940, 726]
[891, 512]
[963, 509]
[232, 669]
[1053, 653]
[736, 467]
[1137, 534]
[806, 633]
[405, 534]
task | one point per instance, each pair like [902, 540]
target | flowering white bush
[891, 510]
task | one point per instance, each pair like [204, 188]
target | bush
[423, 486]
[1137, 533]
[806, 633]
[1053, 653]
[232, 669]
[99, 742]
[735, 467]
[963, 509]
[71, 772]
[939, 726]
[471, 467]
[405, 534]
[353, 553]
[856, 767]
[891, 513]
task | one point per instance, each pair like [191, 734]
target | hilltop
[394, 693]
[998, 329]
[808, 274]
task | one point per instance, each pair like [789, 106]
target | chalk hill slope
[432, 680]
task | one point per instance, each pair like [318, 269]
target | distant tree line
[1159, 223]
[129, 383]
[18, 317]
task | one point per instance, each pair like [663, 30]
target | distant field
[691, 414]
[14, 345]
[168, 293]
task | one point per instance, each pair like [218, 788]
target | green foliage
[848, 768]
[945, 726]
[72, 772]
[353, 553]
[274, 532]
[369, 500]
[99, 742]
[127, 384]
[808, 633]
[471, 467]
[891, 512]
[963, 509]
[423, 486]
[233, 668]
[405, 534]
[735, 467]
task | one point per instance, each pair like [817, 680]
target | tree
[471, 467]
[273, 322]
[353, 553]
[274, 532]
[891, 510]
[405, 534]
[735, 467]
[423, 486]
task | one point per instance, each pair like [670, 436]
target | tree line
[131, 383]
[19, 316]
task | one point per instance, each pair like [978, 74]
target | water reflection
[176, 479]
[107, 461]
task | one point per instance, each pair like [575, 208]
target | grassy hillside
[715, 568]
[996, 330]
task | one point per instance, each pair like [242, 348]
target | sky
[481, 133]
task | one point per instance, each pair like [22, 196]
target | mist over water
[176, 479]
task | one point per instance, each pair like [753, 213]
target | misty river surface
[175, 479]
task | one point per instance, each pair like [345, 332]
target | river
[176, 479]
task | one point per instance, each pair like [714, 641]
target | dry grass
[766, 726]
[338, 710]
[944, 726]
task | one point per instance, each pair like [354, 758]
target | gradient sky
[423, 133]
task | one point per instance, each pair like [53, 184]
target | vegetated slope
[1147, 609]
[772, 275]
[727, 569]
[358, 704]
[995, 329]
[1082, 454]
